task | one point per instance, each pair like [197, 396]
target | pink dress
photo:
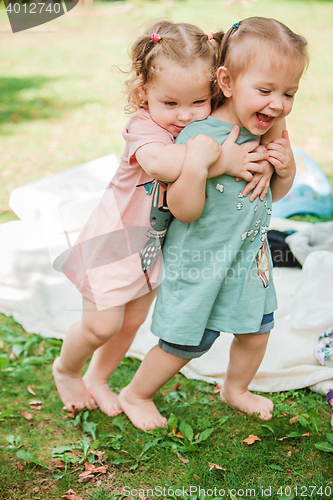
[117, 255]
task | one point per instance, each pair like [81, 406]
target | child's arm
[186, 197]
[238, 160]
[162, 161]
[282, 158]
[279, 168]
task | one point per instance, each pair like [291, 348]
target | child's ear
[144, 93]
[223, 80]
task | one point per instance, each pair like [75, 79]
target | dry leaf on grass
[251, 439]
[12, 356]
[27, 415]
[35, 404]
[196, 436]
[197, 478]
[60, 464]
[176, 385]
[215, 466]
[306, 434]
[182, 459]
[177, 434]
[293, 419]
[71, 495]
[90, 470]
[217, 388]
[72, 413]
[30, 389]
[19, 466]
[289, 453]
[99, 454]
[48, 487]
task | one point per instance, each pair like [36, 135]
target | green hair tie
[236, 25]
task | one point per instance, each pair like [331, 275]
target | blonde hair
[246, 39]
[180, 42]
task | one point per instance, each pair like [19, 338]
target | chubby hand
[239, 161]
[281, 156]
[260, 182]
[203, 151]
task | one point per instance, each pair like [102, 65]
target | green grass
[286, 454]
[61, 105]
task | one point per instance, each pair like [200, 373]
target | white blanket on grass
[43, 301]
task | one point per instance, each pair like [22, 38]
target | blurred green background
[61, 99]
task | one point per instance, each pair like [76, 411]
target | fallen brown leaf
[35, 404]
[196, 436]
[12, 356]
[306, 434]
[176, 385]
[71, 495]
[19, 466]
[215, 466]
[293, 419]
[27, 415]
[30, 389]
[89, 467]
[197, 478]
[72, 413]
[289, 453]
[182, 459]
[86, 474]
[251, 439]
[35, 489]
[217, 388]
[283, 438]
[60, 464]
[48, 487]
[99, 454]
[179, 435]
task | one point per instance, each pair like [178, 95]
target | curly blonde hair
[180, 42]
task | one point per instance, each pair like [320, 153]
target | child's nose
[184, 115]
[276, 104]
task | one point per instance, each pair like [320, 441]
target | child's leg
[82, 339]
[246, 354]
[107, 357]
[136, 399]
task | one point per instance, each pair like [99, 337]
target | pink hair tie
[156, 37]
[210, 36]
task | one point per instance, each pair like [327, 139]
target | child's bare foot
[106, 400]
[142, 413]
[72, 390]
[248, 403]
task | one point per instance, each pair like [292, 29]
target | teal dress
[218, 269]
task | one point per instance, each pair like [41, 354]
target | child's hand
[260, 182]
[239, 160]
[204, 150]
[281, 156]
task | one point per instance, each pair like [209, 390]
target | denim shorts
[208, 339]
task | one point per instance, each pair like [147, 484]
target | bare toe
[142, 413]
[106, 400]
